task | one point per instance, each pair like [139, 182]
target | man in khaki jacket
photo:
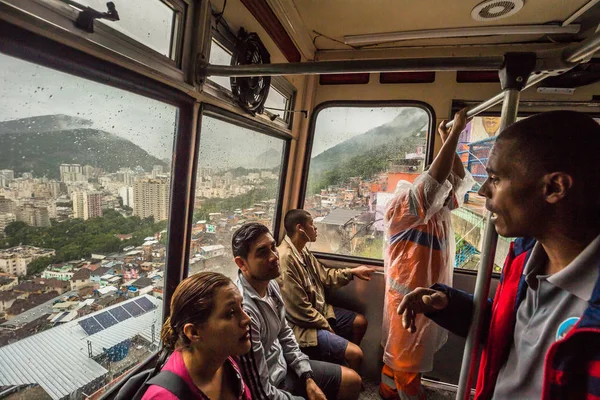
[323, 332]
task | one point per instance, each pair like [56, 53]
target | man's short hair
[558, 141]
[245, 236]
[293, 218]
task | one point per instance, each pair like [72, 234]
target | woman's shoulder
[158, 393]
[176, 365]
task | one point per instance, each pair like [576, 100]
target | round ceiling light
[491, 10]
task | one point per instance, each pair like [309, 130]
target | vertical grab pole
[513, 75]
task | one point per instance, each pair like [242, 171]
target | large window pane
[469, 221]
[84, 200]
[238, 181]
[359, 154]
[149, 22]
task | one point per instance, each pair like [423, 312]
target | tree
[38, 265]
[14, 227]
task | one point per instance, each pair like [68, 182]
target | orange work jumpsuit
[419, 251]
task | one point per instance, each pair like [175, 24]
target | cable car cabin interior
[137, 136]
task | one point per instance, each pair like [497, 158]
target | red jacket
[572, 366]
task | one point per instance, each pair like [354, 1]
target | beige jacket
[303, 281]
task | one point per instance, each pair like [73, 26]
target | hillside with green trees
[40, 144]
[367, 154]
[76, 239]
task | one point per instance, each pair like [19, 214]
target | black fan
[250, 93]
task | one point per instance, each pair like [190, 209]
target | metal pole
[357, 66]
[571, 54]
[582, 51]
[484, 275]
[497, 99]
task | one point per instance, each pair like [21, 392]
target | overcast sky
[147, 21]
[337, 124]
[28, 90]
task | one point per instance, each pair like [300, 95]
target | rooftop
[340, 216]
[65, 348]
[25, 251]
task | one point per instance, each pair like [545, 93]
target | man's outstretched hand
[420, 301]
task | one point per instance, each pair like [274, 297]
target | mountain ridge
[40, 144]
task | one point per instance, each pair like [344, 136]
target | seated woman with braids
[207, 327]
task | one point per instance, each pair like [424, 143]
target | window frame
[53, 16]
[527, 108]
[213, 111]
[227, 39]
[32, 47]
[309, 146]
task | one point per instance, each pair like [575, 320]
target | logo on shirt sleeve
[565, 327]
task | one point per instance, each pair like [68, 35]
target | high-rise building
[6, 205]
[92, 172]
[151, 198]
[6, 177]
[126, 193]
[5, 219]
[34, 215]
[92, 205]
[7, 173]
[157, 170]
[77, 198]
[72, 173]
[87, 205]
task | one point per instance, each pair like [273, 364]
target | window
[276, 103]
[219, 55]
[469, 221]
[150, 22]
[280, 92]
[359, 153]
[84, 202]
[238, 181]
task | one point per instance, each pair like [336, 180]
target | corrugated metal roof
[57, 359]
[340, 216]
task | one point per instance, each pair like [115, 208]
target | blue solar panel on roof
[90, 326]
[119, 313]
[133, 309]
[105, 319]
[146, 304]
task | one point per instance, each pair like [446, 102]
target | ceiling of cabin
[333, 19]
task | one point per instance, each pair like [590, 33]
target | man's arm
[297, 304]
[450, 308]
[255, 370]
[330, 277]
[458, 315]
[294, 357]
[457, 167]
[446, 158]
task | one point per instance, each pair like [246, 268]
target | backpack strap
[173, 383]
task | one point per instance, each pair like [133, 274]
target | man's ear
[556, 186]
[241, 263]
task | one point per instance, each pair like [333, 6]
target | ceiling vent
[491, 10]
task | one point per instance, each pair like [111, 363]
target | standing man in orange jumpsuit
[420, 250]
